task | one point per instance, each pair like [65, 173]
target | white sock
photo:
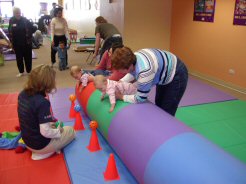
[38, 156]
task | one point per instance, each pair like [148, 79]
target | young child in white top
[109, 87]
[82, 77]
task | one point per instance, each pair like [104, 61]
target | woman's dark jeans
[168, 96]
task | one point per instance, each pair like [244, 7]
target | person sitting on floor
[36, 121]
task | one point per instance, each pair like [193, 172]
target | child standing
[62, 54]
[109, 87]
[81, 76]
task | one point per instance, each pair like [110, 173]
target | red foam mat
[19, 168]
[8, 98]
[87, 93]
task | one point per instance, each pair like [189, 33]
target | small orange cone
[111, 172]
[78, 125]
[72, 111]
[94, 143]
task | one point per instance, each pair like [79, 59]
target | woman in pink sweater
[105, 63]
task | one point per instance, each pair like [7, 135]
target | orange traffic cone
[72, 111]
[78, 125]
[111, 172]
[94, 143]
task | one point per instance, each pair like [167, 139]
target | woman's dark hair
[100, 20]
[57, 10]
[115, 46]
[123, 58]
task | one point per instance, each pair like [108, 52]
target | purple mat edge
[198, 93]
[12, 57]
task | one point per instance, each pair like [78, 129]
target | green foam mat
[99, 110]
[223, 123]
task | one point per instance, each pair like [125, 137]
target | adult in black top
[20, 33]
[39, 112]
[36, 121]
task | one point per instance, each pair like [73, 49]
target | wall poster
[240, 13]
[204, 10]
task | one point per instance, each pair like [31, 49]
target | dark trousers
[23, 52]
[105, 73]
[168, 96]
[57, 39]
[108, 43]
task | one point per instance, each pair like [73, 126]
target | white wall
[31, 8]
[81, 16]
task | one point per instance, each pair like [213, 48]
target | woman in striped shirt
[150, 67]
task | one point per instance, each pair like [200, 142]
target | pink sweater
[105, 64]
[124, 88]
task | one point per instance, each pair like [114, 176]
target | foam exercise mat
[61, 104]
[19, 168]
[88, 167]
[198, 92]
[224, 123]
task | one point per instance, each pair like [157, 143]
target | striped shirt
[153, 67]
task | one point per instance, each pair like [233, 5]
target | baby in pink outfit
[109, 87]
[82, 77]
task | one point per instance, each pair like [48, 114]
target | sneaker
[67, 67]
[19, 74]
[38, 156]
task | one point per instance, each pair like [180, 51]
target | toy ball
[72, 97]
[59, 123]
[77, 108]
[93, 125]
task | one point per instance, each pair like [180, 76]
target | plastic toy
[93, 125]
[111, 172]
[72, 97]
[59, 123]
[77, 108]
[94, 143]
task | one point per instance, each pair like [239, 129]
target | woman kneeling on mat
[151, 67]
[36, 121]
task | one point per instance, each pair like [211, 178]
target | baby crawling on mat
[109, 87]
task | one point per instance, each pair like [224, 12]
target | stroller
[5, 46]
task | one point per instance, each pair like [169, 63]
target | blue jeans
[168, 96]
[62, 63]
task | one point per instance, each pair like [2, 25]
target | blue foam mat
[88, 167]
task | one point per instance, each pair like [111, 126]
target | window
[6, 9]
